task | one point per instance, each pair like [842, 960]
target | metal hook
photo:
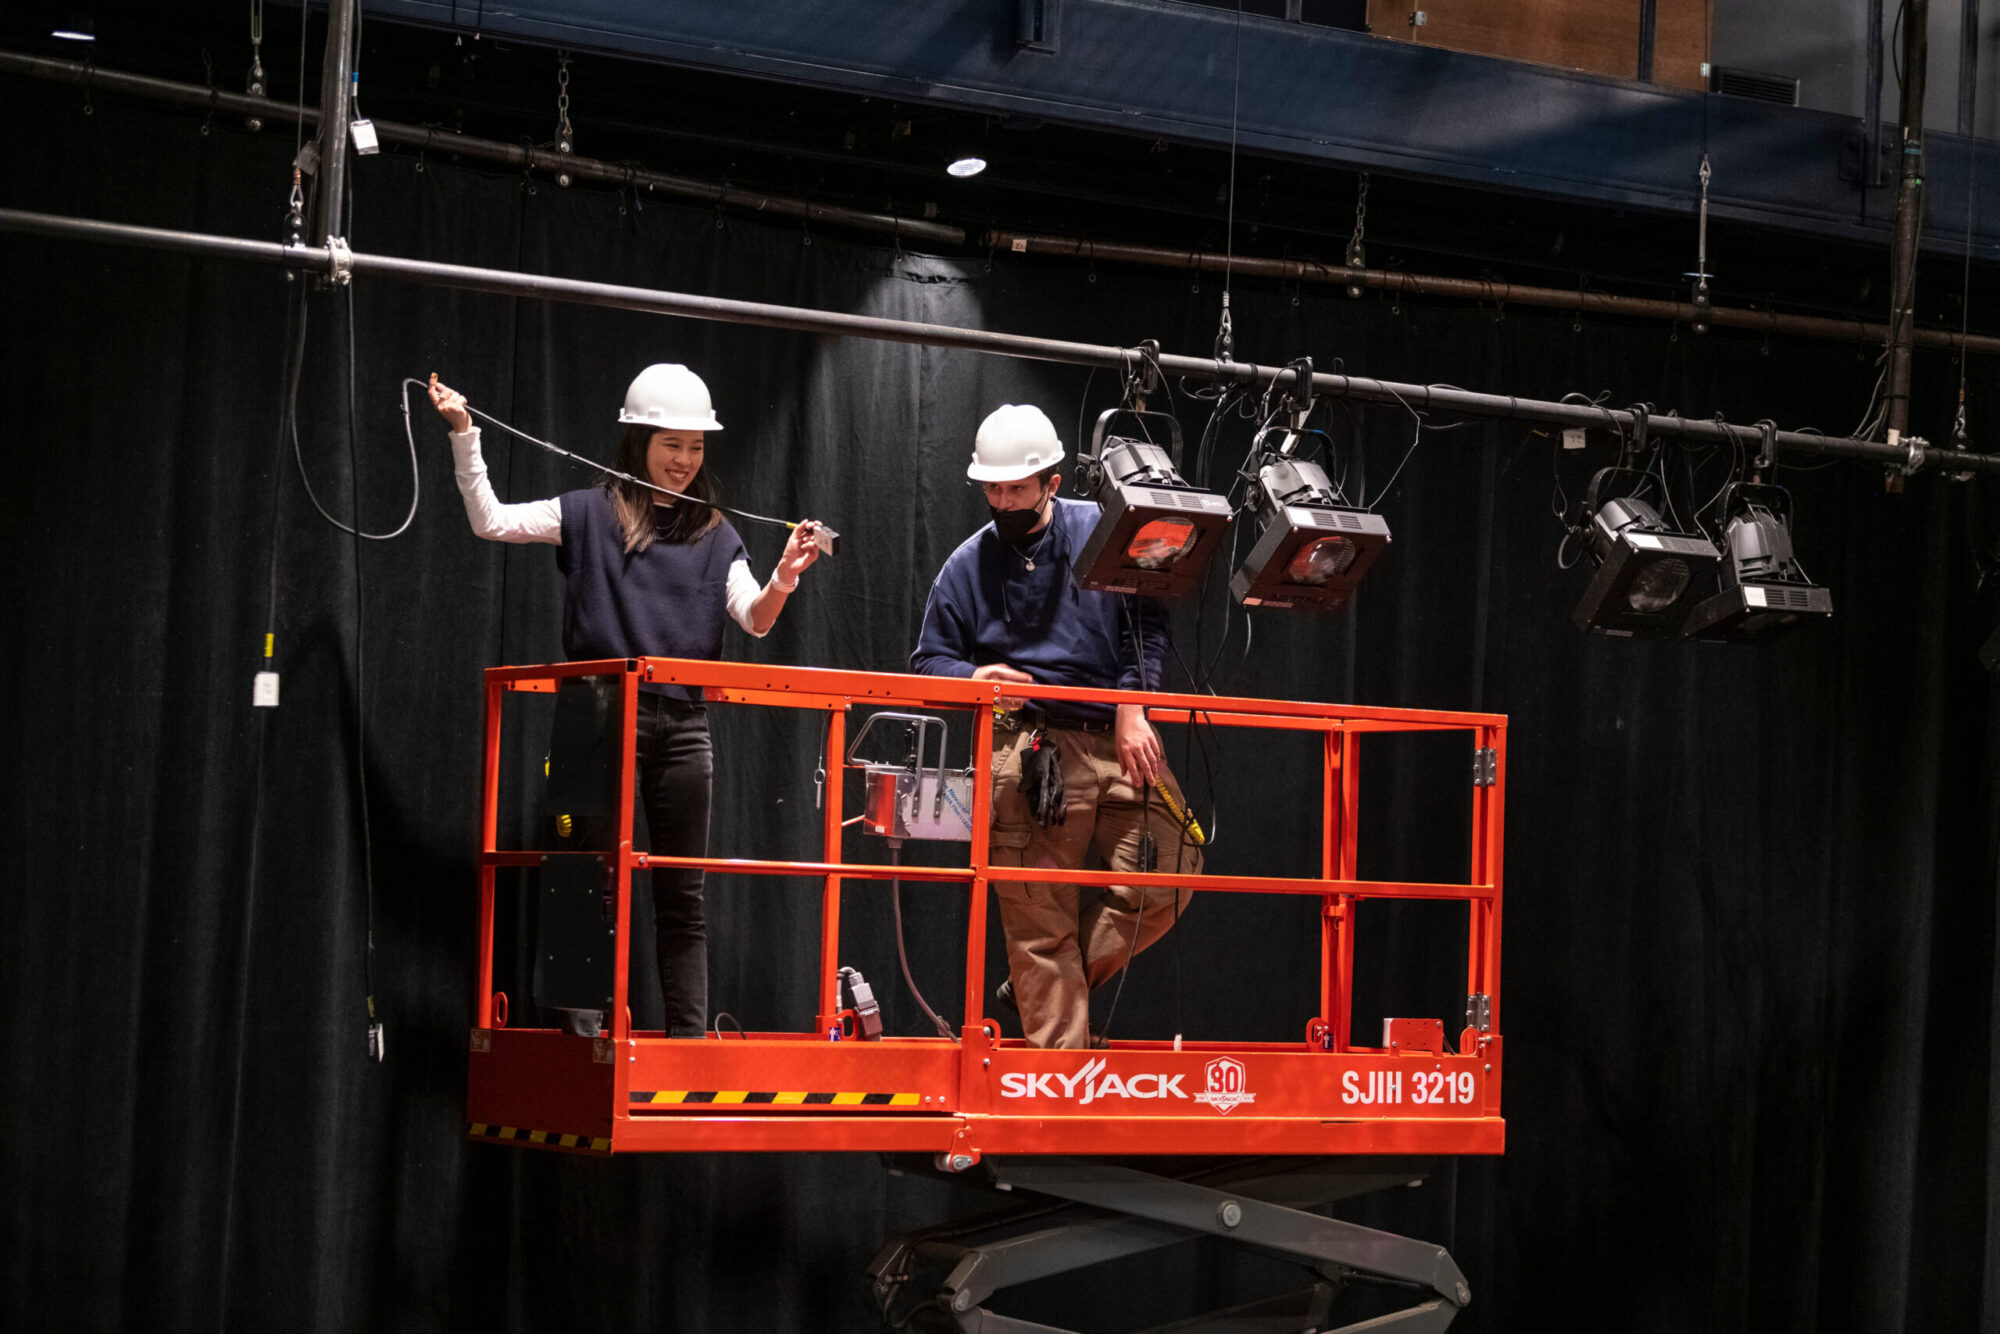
[1767, 447]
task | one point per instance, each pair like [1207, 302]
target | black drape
[1749, 991]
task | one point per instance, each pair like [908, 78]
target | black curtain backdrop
[1749, 986]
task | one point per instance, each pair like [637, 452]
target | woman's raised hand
[800, 552]
[450, 405]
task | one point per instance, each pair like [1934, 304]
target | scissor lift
[980, 1095]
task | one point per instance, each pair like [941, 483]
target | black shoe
[1004, 993]
[582, 1023]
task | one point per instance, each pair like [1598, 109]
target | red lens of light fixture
[1317, 562]
[1160, 543]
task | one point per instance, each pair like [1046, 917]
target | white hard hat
[669, 398]
[1015, 441]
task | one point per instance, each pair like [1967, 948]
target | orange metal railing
[834, 692]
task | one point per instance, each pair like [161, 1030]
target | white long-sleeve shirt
[541, 521]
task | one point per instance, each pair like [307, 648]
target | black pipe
[1871, 129]
[500, 282]
[1909, 219]
[336, 72]
[433, 140]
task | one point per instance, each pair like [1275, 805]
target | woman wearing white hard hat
[645, 575]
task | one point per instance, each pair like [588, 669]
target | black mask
[1013, 526]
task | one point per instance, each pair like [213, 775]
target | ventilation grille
[1788, 598]
[1187, 500]
[1779, 88]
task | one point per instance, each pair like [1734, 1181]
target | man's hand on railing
[1000, 671]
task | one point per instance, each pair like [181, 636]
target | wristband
[783, 587]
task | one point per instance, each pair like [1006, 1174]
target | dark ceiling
[878, 154]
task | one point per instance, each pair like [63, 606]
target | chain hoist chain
[1355, 253]
[563, 135]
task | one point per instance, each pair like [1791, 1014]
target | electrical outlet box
[264, 693]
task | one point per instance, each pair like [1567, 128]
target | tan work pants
[1063, 940]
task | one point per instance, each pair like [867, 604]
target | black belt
[1027, 720]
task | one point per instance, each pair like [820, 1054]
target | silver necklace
[1027, 558]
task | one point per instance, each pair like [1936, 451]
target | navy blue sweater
[668, 601]
[987, 606]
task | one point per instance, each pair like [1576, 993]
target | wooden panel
[1680, 42]
[1596, 36]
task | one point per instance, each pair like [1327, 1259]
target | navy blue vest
[669, 600]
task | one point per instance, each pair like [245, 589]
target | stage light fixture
[1312, 549]
[1648, 575]
[1762, 592]
[1154, 530]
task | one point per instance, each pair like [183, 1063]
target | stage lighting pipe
[1909, 219]
[1494, 292]
[1395, 282]
[432, 140]
[501, 282]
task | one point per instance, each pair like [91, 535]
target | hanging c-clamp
[1767, 447]
[1299, 396]
[339, 262]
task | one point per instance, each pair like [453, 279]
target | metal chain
[565, 138]
[563, 135]
[1701, 256]
[253, 83]
[1355, 252]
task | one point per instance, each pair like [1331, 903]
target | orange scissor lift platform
[631, 1091]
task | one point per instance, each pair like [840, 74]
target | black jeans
[675, 766]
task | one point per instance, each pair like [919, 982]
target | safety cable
[409, 431]
[298, 452]
[360, 685]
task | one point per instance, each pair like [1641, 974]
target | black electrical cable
[902, 955]
[409, 431]
[1147, 843]
[360, 678]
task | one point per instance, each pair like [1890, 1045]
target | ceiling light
[1312, 549]
[76, 28]
[1647, 574]
[1761, 590]
[968, 165]
[1154, 531]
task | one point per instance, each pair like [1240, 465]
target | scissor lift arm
[1111, 1211]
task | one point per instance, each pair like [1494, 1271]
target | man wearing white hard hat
[1066, 776]
[646, 573]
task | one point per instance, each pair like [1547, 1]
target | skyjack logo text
[1090, 1084]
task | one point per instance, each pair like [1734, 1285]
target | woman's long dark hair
[639, 517]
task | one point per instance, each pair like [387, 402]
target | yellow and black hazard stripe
[777, 1098]
[517, 1134]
